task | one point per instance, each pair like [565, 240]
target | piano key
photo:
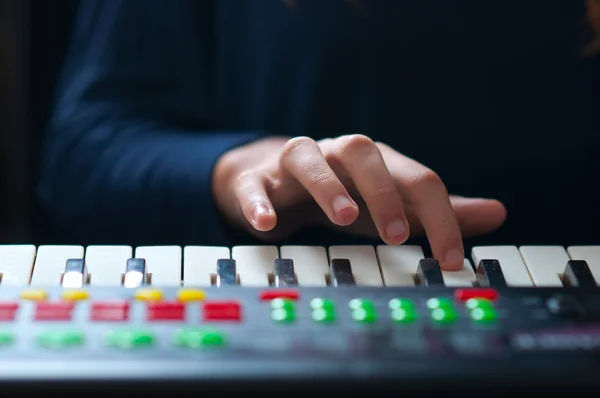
[341, 273]
[545, 264]
[578, 274]
[399, 264]
[199, 263]
[226, 272]
[16, 264]
[363, 261]
[76, 273]
[106, 264]
[254, 264]
[514, 269]
[310, 264]
[163, 264]
[135, 273]
[461, 278]
[429, 272]
[489, 274]
[284, 273]
[589, 254]
[50, 263]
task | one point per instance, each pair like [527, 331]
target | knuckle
[424, 178]
[295, 145]
[320, 178]
[355, 143]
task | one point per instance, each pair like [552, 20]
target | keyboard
[275, 318]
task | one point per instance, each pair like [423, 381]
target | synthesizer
[299, 317]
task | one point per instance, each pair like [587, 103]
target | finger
[475, 216]
[254, 202]
[430, 201]
[302, 159]
[478, 216]
[361, 159]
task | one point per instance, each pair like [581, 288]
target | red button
[61, 311]
[8, 311]
[222, 311]
[268, 295]
[166, 311]
[110, 311]
[466, 294]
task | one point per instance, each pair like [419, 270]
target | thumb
[478, 216]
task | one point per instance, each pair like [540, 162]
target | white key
[106, 264]
[545, 264]
[200, 262]
[399, 264]
[310, 264]
[461, 278]
[254, 263]
[514, 269]
[50, 264]
[363, 261]
[16, 264]
[163, 262]
[589, 254]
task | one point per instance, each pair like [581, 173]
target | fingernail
[454, 257]
[341, 203]
[396, 229]
[258, 211]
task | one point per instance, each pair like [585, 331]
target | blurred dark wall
[13, 140]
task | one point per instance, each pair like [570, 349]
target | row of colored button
[147, 294]
[124, 339]
[118, 310]
[401, 310]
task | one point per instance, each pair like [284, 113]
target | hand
[275, 186]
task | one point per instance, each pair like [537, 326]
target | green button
[283, 315]
[434, 303]
[323, 315]
[319, 303]
[281, 303]
[403, 315]
[133, 338]
[444, 315]
[364, 315]
[196, 338]
[473, 303]
[61, 339]
[358, 303]
[6, 337]
[401, 303]
[483, 314]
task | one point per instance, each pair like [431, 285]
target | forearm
[132, 182]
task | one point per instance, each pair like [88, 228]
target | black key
[135, 272]
[283, 271]
[489, 274]
[226, 272]
[429, 272]
[75, 274]
[341, 272]
[578, 274]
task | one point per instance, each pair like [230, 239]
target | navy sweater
[494, 96]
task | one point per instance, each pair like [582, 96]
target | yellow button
[74, 295]
[148, 294]
[36, 295]
[190, 295]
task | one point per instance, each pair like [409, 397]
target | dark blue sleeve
[130, 152]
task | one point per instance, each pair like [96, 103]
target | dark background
[33, 41]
